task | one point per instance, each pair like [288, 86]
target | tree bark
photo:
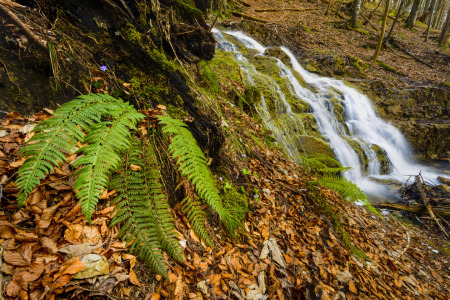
[443, 38]
[383, 27]
[413, 14]
[393, 24]
[355, 14]
[430, 19]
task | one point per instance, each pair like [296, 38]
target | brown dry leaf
[23, 236]
[91, 235]
[133, 278]
[70, 267]
[17, 163]
[7, 230]
[19, 259]
[79, 250]
[155, 296]
[48, 245]
[13, 289]
[73, 233]
[135, 167]
[21, 216]
[35, 197]
[13, 115]
[130, 257]
[352, 287]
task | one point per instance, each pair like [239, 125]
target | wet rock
[313, 145]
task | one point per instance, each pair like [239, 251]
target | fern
[134, 211]
[348, 190]
[192, 164]
[197, 217]
[330, 169]
[159, 205]
[105, 142]
[58, 136]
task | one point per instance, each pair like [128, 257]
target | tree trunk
[430, 19]
[443, 38]
[413, 14]
[393, 24]
[383, 27]
[355, 14]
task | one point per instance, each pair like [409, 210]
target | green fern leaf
[192, 164]
[197, 217]
[134, 211]
[348, 190]
[57, 136]
[106, 141]
[159, 205]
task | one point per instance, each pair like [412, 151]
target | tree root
[238, 14]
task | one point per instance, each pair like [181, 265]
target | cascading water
[355, 133]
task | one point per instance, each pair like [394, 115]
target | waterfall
[355, 133]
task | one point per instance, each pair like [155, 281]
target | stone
[94, 265]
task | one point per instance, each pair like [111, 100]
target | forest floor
[315, 34]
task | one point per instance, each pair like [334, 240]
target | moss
[223, 64]
[187, 9]
[386, 67]
[385, 164]
[236, 202]
[312, 145]
[131, 34]
[209, 76]
[360, 152]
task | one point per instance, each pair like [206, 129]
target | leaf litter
[290, 249]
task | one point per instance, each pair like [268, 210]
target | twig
[286, 9]
[238, 14]
[24, 26]
[368, 21]
[424, 199]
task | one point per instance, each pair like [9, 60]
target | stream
[299, 106]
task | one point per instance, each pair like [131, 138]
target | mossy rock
[360, 152]
[280, 54]
[312, 145]
[385, 164]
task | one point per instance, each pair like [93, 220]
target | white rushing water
[358, 124]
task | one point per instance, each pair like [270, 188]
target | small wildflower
[237, 175]
[240, 140]
[220, 178]
[244, 155]
[103, 68]
[256, 196]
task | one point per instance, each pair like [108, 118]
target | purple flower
[244, 155]
[237, 175]
[256, 196]
[220, 178]
[240, 140]
[103, 68]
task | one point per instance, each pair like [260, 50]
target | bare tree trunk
[443, 38]
[383, 27]
[413, 14]
[430, 19]
[393, 24]
[355, 14]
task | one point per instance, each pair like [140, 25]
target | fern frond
[58, 136]
[134, 212]
[159, 205]
[348, 190]
[106, 141]
[197, 218]
[192, 164]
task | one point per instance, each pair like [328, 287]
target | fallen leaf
[133, 278]
[352, 287]
[73, 233]
[135, 167]
[13, 289]
[79, 250]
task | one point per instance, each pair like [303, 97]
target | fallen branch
[286, 9]
[424, 199]
[24, 26]
[417, 209]
[244, 3]
[368, 21]
[410, 54]
[238, 14]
